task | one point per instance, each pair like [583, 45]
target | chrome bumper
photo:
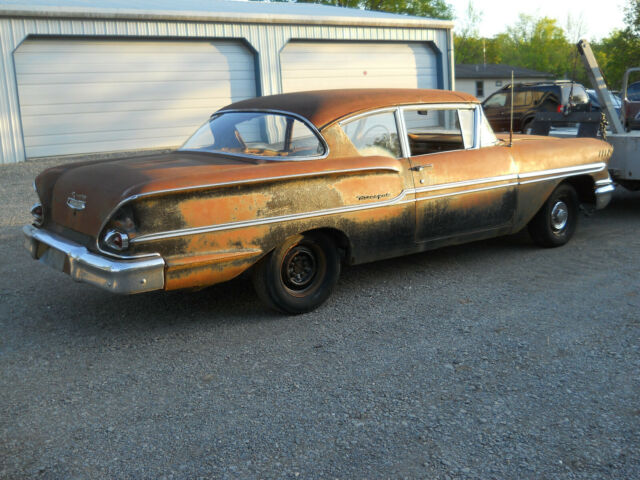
[118, 276]
[603, 195]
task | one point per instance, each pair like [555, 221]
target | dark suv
[529, 98]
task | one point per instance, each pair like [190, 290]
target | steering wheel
[369, 136]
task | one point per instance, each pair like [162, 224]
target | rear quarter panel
[212, 235]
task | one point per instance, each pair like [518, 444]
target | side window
[521, 99]
[487, 137]
[633, 92]
[537, 96]
[374, 135]
[497, 100]
[439, 130]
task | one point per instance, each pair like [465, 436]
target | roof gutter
[219, 17]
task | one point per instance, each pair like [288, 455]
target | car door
[522, 103]
[461, 186]
[497, 110]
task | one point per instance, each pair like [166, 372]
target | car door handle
[419, 168]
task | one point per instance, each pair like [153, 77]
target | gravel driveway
[490, 360]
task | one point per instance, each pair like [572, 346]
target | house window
[480, 89]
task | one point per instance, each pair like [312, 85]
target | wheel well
[339, 239]
[584, 187]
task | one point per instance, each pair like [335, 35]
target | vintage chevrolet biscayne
[293, 186]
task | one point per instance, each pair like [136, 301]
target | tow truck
[624, 165]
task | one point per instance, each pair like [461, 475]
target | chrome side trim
[577, 169]
[555, 177]
[350, 118]
[117, 276]
[465, 183]
[268, 220]
[474, 190]
[224, 184]
[401, 199]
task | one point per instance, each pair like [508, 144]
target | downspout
[452, 76]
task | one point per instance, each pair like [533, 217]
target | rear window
[261, 134]
[579, 95]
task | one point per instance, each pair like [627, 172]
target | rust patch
[199, 211]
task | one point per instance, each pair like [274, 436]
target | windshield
[262, 134]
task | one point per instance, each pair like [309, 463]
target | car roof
[323, 107]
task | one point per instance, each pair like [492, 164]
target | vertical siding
[267, 40]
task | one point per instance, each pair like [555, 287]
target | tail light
[116, 240]
[38, 214]
[560, 108]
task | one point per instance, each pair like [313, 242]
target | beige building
[482, 80]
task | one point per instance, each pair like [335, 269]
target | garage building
[88, 77]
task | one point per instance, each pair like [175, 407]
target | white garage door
[80, 96]
[314, 65]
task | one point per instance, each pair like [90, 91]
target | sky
[598, 18]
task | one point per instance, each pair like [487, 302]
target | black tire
[556, 222]
[527, 125]
[299, 275]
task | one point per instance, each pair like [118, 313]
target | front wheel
[299, 275]
[555, 223]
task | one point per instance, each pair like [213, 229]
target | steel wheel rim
[299, 268]
[559, 216]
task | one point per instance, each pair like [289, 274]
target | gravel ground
[494, 360]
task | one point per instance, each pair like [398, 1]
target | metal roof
[489, 70]
[322, 107]
[236, 11]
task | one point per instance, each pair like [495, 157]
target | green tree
[422, 8]
[539, 44]
[621, 49]
[632, 17]
[468, 46]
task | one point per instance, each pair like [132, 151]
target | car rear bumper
[118, 276]
[603, 195]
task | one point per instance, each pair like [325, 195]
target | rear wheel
[299, 275]
[555, 223]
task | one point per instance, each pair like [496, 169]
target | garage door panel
[111, 121]
[124, 92]
[134, 77]
[98, 144]
[81, 95]
[60, 140]
[104, 107]
[317, 65]
[358, 72]
[177, 66]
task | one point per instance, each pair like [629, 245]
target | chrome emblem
[77, 201]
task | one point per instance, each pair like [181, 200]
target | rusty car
[291, 187]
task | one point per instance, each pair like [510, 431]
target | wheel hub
[559, 216]
[299, 268]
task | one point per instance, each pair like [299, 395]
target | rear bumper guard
[118, 276]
